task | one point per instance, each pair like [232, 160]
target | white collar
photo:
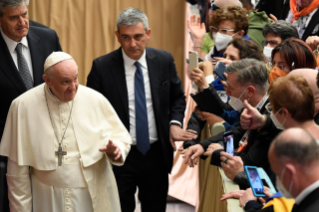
[306, 192]
[128, 62]
[11, 44]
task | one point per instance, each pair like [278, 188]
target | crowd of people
[68, 147]
[271, 95]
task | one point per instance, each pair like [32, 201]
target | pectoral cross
[60, 154]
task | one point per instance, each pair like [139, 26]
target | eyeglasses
[212, 6]
[268, 107]
[281, 67]
[271, 42]
[223, 31]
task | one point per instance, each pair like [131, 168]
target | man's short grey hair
[291, 148]
[12, 4]
[250, 71]
[282, 29]
[130, 17]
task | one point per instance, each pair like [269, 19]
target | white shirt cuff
[175, 122]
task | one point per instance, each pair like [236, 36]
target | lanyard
[258, 107]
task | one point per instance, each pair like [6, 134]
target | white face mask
[236, 103]
[276, 122]
[267, 52]
[281, 188]
[221, 40]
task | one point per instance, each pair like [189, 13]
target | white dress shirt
[306, 192]
[11, 44]
[130, 70]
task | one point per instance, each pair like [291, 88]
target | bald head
[311, 76]
[295, 144]
[226, 3]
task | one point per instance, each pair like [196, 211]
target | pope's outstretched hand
[112, 151]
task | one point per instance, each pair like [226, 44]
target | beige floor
[173, 207]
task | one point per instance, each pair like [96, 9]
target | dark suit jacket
[313, 26]
[256, 152]
[42, 42]
[275, 7]
[309, 204]
[108, 77]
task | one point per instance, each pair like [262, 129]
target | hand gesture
[206, 67]
[198, 77]
[197, 29]
[112, 151]
[178, 134]
[212, 148]
[250, 118]
[247, 195]
[232, 166]
[209, 117]
[273, 18]
[313, 42]
[191, 155]
[233, 194]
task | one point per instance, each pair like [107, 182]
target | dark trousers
[147, 172]
[4, 202]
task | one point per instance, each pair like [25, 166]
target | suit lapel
[118, 72]
[313, 22]
[9, 68]
[155, 79]
[36, 56]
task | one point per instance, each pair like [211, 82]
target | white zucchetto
[55, 58]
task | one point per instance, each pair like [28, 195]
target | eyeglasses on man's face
[272, 43]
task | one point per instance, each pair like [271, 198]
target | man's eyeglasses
[212, 6]
[268, 107]
[222, 31]
[271, 42]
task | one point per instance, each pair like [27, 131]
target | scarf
[304, 11]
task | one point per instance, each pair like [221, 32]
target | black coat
[108, 77]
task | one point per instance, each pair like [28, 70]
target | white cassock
[85, 181]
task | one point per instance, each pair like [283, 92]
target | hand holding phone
[220, 69]
[255, 181]
[193, 60]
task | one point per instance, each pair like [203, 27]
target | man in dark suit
[143, 87]
[19, 70]
[294, 158]
[307, 24]
[247, 81]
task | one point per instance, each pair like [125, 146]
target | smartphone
[199, 60]
[220, 69]
[229, 142]
[266, 180]
[193, 60]
[255, 181]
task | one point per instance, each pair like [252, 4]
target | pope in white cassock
[60, 139]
